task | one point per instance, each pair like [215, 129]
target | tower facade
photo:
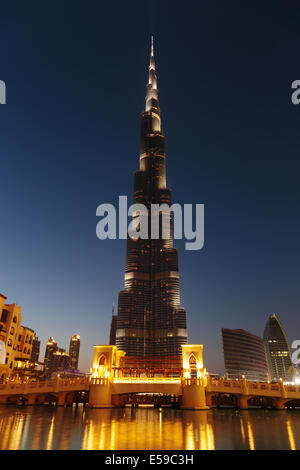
[244, 355]
[74, 352]
[51, 348]
[278, 350]
[35, 353]
[150, 325]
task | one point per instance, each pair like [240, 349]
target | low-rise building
[15, 340]
[244, 355]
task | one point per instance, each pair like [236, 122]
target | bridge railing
[251, 388]
[25, 387]
[76, 382]
[224, 383]
[194, 381]
[149, 380]
[99, 381]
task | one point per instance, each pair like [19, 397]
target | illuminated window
[4, 315]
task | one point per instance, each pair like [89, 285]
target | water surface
[49, 427]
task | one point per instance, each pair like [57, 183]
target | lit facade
[244, 355]
[151, 325]
[60, 362]
[110, 383]
[278, 350]
[15, 340]
[51, 348]
[35, 353]
[74, 352]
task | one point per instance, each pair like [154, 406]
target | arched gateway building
[150, 325]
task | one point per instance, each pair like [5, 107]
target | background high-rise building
[51, 348]
[244, 355]
[278, 350]
[113, 329]
[151, 325]
[35, 353]
[59, 362]
[74, 352]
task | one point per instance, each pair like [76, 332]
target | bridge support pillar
[194, 395]
[61, 399]
[41, 399]
[70, 399]
[3, 399]
[100, 394]
[243, 402]
[208, 398]
[279, 404]
[31, 399]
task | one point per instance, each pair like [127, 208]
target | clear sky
[76, 73]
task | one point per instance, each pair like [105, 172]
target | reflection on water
[46, 427]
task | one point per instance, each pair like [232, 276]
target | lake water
[49, 427]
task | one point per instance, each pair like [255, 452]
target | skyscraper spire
[152, 104]
[152, 61]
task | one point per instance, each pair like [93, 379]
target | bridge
[163, 391]
[60, 391]
[193, 388]
[244, 394]
[111, 384]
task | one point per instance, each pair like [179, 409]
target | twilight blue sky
[69, 139]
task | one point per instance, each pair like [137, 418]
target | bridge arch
[260, 401]
[292, 403]
[155, 399]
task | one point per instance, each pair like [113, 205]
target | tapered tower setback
[151, 325]
[278, 350]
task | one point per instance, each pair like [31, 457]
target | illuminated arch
[102, 360]
[192, 360]
[193, 365]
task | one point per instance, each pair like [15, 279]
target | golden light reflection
[291, 435]
[18, 431]
[250, 437]
[207, 441]
[11, 431]
[242, 430]
[144, 428]
[199, 433]
[50, 435]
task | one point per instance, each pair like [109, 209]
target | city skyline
[77, 145]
